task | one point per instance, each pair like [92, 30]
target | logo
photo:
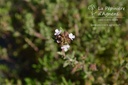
[106, 14]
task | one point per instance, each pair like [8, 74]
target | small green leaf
[66, 63]
[61, 53]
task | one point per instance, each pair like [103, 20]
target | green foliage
[29, 55]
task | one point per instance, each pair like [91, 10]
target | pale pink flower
[57, 32]
[65, 47]
[71, 36]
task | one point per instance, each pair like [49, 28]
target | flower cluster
[63, 39]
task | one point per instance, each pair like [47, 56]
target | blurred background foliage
[28, 53]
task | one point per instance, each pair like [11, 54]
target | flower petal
[71, 36]
[57, 32]
[65, 47]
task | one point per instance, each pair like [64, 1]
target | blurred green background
[28, 52]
